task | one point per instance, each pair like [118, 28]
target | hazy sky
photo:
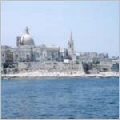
[95, 25]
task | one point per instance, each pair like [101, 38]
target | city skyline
[51, 23]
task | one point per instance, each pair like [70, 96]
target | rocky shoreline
[48, 75]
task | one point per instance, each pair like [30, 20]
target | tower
[18, 40]
[71, 46]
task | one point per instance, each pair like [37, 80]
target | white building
[26, 50]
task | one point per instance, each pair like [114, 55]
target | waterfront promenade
[42, 74]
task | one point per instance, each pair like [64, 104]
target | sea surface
[67, 98]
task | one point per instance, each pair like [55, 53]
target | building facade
[27, 51]
[26, 55]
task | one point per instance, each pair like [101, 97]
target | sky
[94, 24]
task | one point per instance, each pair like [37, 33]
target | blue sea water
[69, 99]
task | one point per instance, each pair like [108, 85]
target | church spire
[71, 36]
[71, 46]
[27, 30]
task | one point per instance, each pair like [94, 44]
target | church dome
[26, 39]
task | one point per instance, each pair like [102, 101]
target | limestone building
[27, 51]
[29, 56]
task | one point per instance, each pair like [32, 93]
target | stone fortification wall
[49, 66]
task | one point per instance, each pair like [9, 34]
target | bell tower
[71, 46]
